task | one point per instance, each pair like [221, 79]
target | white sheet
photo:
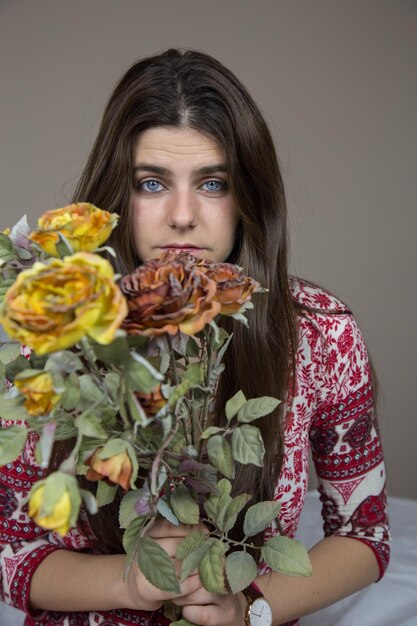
[391, 602]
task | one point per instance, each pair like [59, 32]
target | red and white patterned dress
[332, 412]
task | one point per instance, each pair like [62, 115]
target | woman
[185, 157]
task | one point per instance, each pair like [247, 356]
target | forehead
[171, 143]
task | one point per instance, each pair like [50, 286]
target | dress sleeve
[345, 439]
[23, 545]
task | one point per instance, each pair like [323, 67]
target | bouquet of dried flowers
[127, 368]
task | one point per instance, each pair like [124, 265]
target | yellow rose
[59, 518]
[83, 225]
[41, 397]
[52, 306]
[116, 469]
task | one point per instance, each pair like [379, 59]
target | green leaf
[75, 498]
[192, 561]
[112, 380]
[131, 535]
[211, 430]
[224, 487]
[45, 444]
[235, 404]
[55, 485]
[15, 367]
[190, 551]
[258, 517]
[111, 448]
[247, 445]
[184, 506]
[105, 493]
[241, 570]
[71, 396]
[89, 501]
[220, 455]
[287, 556]
[165, 510]
[13, 409]
[179, 392]
[257, 407]
[211, 567]
[7, 249]
[23, 254]
[194, 374]
[216, 506]
[9, 352]
[12, 440]
[127, 511]
[187, 545]
[63, 361]
[89, 425]
[115, 353]
[156, 566]
[140, 374]
[90, 393]
[238, 503]
[3, 386]
[192, 349]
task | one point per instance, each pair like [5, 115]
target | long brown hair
[192, 89]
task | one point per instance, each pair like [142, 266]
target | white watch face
[260, 613]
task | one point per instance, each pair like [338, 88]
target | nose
[183, 210]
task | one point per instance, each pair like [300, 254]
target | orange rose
[52, 306]
[233, 287]
[84, 226]
[168, 295]
[115, 470]
[151, 402]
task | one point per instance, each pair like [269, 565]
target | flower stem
[210, 346]
[158, 458]
[173, 362]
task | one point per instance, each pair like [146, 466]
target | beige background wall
[337, 82]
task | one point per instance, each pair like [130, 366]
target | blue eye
[214, 185]
[151, 186]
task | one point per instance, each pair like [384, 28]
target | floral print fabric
[331, 412]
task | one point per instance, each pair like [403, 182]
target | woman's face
[181, 198]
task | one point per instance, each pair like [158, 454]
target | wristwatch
[258, 610]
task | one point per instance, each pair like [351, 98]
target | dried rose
[54, 503]
[52, 306]
[41, 397]
[151, 402]
[234, 288]
[168, 295]
[84, 226]
[115, 469]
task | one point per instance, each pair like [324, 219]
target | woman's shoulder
[312, 298]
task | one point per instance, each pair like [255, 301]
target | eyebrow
[206, 170]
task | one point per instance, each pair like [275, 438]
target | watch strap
[252, 592]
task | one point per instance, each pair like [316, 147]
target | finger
[164, 528]
[198, 595]
[204, 615]
[169, 544]
[188, 588]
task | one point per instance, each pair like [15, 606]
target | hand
[141, 594]
[212, 609]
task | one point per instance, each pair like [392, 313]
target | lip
[181, 246]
